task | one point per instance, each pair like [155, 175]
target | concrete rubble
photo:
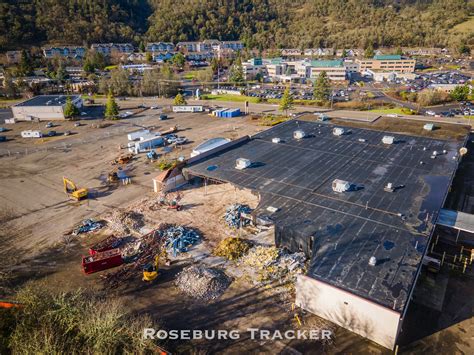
[202, 283]
[124, 222]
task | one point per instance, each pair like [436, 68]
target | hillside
[259, 23]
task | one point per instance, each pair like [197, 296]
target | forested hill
[259, 23]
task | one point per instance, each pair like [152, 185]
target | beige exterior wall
[334, 74]
[396, 65]
[38, 112]
[361, 316]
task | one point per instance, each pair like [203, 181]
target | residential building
[110, 48]
[395, 63]
[160, 47]
[43, 107]
[74, 52]
[232, 45]
[291, 52]
[318, 52]
[13, 57]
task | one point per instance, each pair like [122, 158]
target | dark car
[163, 117]
[51, 133]
[3, 139]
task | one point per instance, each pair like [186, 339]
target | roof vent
[298, 134]
[373, 261]
[388, 139]
[241, 163]
[338, 131]
[389, 187]
[276, 140]
[340, 185]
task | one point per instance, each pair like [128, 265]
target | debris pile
[111, 242]
[234, 213]
[274, 264]
[178, 238]
[202, 283]
[87, 226]
[232, 248]
[124, 222]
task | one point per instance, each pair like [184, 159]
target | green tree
[286, 102]
[61, 73]
[149, 57]
[119, 81]
[464, 49]
[322, 87]
[9, 87]
[141, 47]
[369, 51]
[214, 65]
[70, 110]
[179, 100]
[460, 93]
[344, 53]
[237, 72]
[178, 60]
[25, 67]
[399, 51]
[111, 107]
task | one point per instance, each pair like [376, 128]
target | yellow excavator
[150, 271]
[72, 191]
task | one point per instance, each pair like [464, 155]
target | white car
[83, 113]
[430, 113]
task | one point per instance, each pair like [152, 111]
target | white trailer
[188, 108]
[31, 134]
[147, 144]
[137, 134]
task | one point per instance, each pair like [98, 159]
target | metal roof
[295, 176]
[388, 57]
[47, 100]
[326, 63]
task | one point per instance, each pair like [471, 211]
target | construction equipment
[122, 159]
[172, 203]
[150, 271]
[152, 155]
[72, 191]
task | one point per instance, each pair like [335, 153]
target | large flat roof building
[44, 107]
[395, 63]
[366, 244]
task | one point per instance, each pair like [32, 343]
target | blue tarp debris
[179, 239]
[88, 225]
[233, 215]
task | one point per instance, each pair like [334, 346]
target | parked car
[77, 124]
[3, 129]
[163, 117]
[51, 133]
[83, 113]
[3, 139]
[67, 133]
[49, 125]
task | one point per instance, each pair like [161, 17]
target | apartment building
[160, 47]
[64, 51]
[109, 48]
[392, 63]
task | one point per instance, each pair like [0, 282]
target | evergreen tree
[178, 60]
[286, 102]
[70, 110]
[237, 72]
[9, 86]
[344, 53]
[25, 67]
[460, 93]
[322, 87]
[179, 100]
[369, 51]
[141, 47]
[111, 107]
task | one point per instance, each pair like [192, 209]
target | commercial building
[252, 67]
[395, 63]
[387, 75]
[335, 69]
[44, 107]
[366, 243]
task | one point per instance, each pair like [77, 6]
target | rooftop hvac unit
[241, 163]
[338, 131]
[340, 185]
[388, 139]
[298, 134]
[276, 140]
[373, 261]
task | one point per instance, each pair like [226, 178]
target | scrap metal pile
[274, 264]
[202, 283]
[141, 251]
[233, 215]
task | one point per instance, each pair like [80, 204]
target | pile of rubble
[234, 213]
[178, 238]
[202, 283]
[232, 248]
[274, 264]
[124, 222]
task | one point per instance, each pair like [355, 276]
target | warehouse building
[361, 206]
[44, 107]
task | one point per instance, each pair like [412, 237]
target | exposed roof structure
[47, 100]
[295, 176]
[388, 57]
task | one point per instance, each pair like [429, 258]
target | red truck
[102, 261]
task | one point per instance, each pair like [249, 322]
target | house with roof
[110, 48]
[160, 47]
[73, 52]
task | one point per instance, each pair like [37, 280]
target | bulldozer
[150, 270]
[73, 192]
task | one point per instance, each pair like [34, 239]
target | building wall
[360, 316]
[41, 112]
[333, 73]
[396, 65]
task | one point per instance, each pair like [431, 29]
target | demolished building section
[366, 244]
